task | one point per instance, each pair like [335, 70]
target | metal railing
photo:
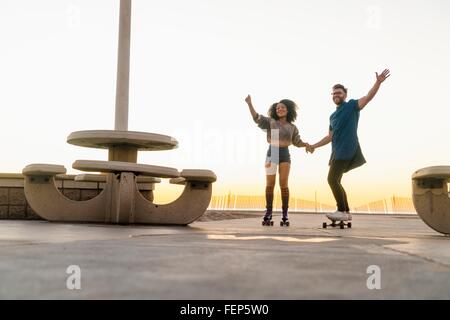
[231, 201]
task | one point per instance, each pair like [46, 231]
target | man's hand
[362, 102]
[383, 76]
[248, 99]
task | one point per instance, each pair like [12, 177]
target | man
[346, 153]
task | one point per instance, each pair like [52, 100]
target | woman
[281, 132]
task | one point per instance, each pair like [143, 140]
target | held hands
[383, 76]
[309, 148]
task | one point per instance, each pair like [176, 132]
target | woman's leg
[284, 177]
[270, 186]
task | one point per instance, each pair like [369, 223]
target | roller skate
[284, 220]
[267, 220]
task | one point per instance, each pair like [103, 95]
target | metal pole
[123, 67]
[315, 200]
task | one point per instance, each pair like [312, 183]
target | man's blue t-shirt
[344, 124]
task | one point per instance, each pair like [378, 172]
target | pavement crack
[415, 255]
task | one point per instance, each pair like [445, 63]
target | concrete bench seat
[437, 172]
[85, 177]
[180, 180]
[194, 175]
[40, 169]
[431, 197]
[118, 166]
[198, 175]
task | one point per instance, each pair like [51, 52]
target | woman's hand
[248, 100]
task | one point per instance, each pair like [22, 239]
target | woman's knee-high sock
[269, 199]
[285, 200]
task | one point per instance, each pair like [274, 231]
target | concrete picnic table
[120, 200]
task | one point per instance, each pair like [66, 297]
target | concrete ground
[229, 259]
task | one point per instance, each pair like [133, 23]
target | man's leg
[347, 209]
[337, 169]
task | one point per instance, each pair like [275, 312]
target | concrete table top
[106, 139]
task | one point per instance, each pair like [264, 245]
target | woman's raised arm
[250, 107]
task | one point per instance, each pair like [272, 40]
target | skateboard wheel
[281, 223]
[324, 225]
[287, 223]
[271, 223]
[341, 226]
[349, 224]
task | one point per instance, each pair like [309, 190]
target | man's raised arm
[362, 102]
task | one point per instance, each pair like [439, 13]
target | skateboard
[336, 223]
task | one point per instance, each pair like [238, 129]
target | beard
[338, 101]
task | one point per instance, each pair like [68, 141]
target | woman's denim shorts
[278, 154]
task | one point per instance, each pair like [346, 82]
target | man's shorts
[274, 156]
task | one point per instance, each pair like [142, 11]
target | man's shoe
[337, 216]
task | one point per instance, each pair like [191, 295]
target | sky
[194, 62]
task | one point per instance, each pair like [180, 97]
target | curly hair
[291, 110]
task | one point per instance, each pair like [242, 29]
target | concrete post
[123, 67]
